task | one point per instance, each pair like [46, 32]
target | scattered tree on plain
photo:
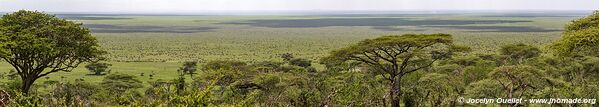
[189, 68]
[98, 68]
[395, 56]
[37, 44]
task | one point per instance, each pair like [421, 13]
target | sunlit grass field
[158, 44]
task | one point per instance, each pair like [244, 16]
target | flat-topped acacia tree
[37, 44]
[395, 56]
[580, 37]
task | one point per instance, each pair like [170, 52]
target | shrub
[120, 82]
[224, 65]
[98, 68]
[300, 62]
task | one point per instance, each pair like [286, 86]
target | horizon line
[275, 12]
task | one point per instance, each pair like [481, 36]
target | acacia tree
[439, 89]
[37, 44]
[395, 56]
[519, 52]
[518, 81]
[189, 67]
[98, 68]
[580, 37]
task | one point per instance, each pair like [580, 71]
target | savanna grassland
[412, 59]
[158, 44]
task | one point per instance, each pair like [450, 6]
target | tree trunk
[395, 93]
[510, 96]
[4, 98]
[384, 101]
[26, 84]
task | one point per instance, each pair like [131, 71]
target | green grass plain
[147, 44]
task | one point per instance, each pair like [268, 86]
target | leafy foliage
[32, 41]
[519, 52]
[580, 37]
[98, 68]
[300, 62]
[395, 56]
[224, 65]
[421, 69]
[189, 67]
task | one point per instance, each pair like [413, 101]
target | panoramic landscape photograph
[299, 53]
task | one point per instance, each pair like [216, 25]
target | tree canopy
[519, 52]
[32, 41]
[395, 56]
[580, 37]
[98, 68]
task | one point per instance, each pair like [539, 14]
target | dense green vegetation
[338, 60]
[37, 44]
[160, 50]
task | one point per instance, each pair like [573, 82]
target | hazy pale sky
[273, 5]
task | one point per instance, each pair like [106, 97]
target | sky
[190, 6]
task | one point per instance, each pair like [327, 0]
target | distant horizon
[228, 6]
[317, 12]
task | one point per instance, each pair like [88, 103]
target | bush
[120, 82]
[224, 65]
[300, 62]
[267, 66]
[75, 93]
